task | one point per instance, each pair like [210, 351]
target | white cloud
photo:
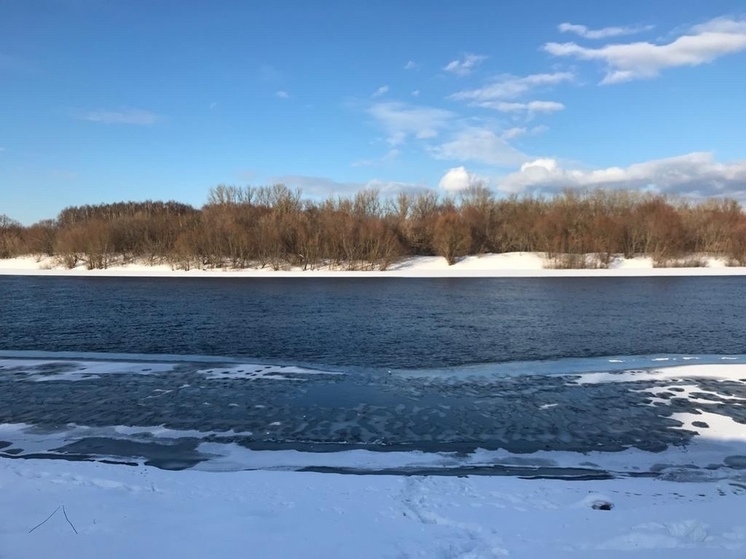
[282, 94]
[137, 117]
[695, 174]
[411, 65]
[383, 90]
[721, 25]
[531, 108]
[465, 65]
[457, 179]
[416, 93]
[511, 87]
[402, 120]
[481, 145]
[604, 33]
[624, 62]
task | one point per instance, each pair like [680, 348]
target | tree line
[276, 227]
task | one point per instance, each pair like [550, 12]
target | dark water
[385, 323]
[454, 366]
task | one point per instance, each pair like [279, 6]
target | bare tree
[452, 236]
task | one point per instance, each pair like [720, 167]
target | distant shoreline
[508, 265]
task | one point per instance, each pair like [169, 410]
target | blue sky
[104, 100]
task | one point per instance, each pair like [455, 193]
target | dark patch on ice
[173, 465]
[117, 462]
[736, 462]
[701, 424]
[575, 474]
[178, 454]
[530, 462]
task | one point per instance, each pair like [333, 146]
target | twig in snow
[45, 521]
[68, 520]
[51, 515]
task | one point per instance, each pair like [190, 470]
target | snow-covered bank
[487, 265]
[122, 512]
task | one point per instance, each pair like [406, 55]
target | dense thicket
[274, 226]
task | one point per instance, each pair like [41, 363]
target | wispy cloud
[137, 117]
[502, 94]
[530, 108]
[515, 132]
[403, 120]
[481, 145]
[317, 186]
[511, 87]
[604, 33]
[696, 175]
[282, 94]
[2, 148]
[389, 156]
[625, 62]
[268, 73]
[322, 187]
[465, 65]
[416, 93]
[519, 131]
[411, 65]
[392, 188]
[383, 90]
[64, 174]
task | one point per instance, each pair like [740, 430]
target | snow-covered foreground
[118, 511]
[523, 264]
